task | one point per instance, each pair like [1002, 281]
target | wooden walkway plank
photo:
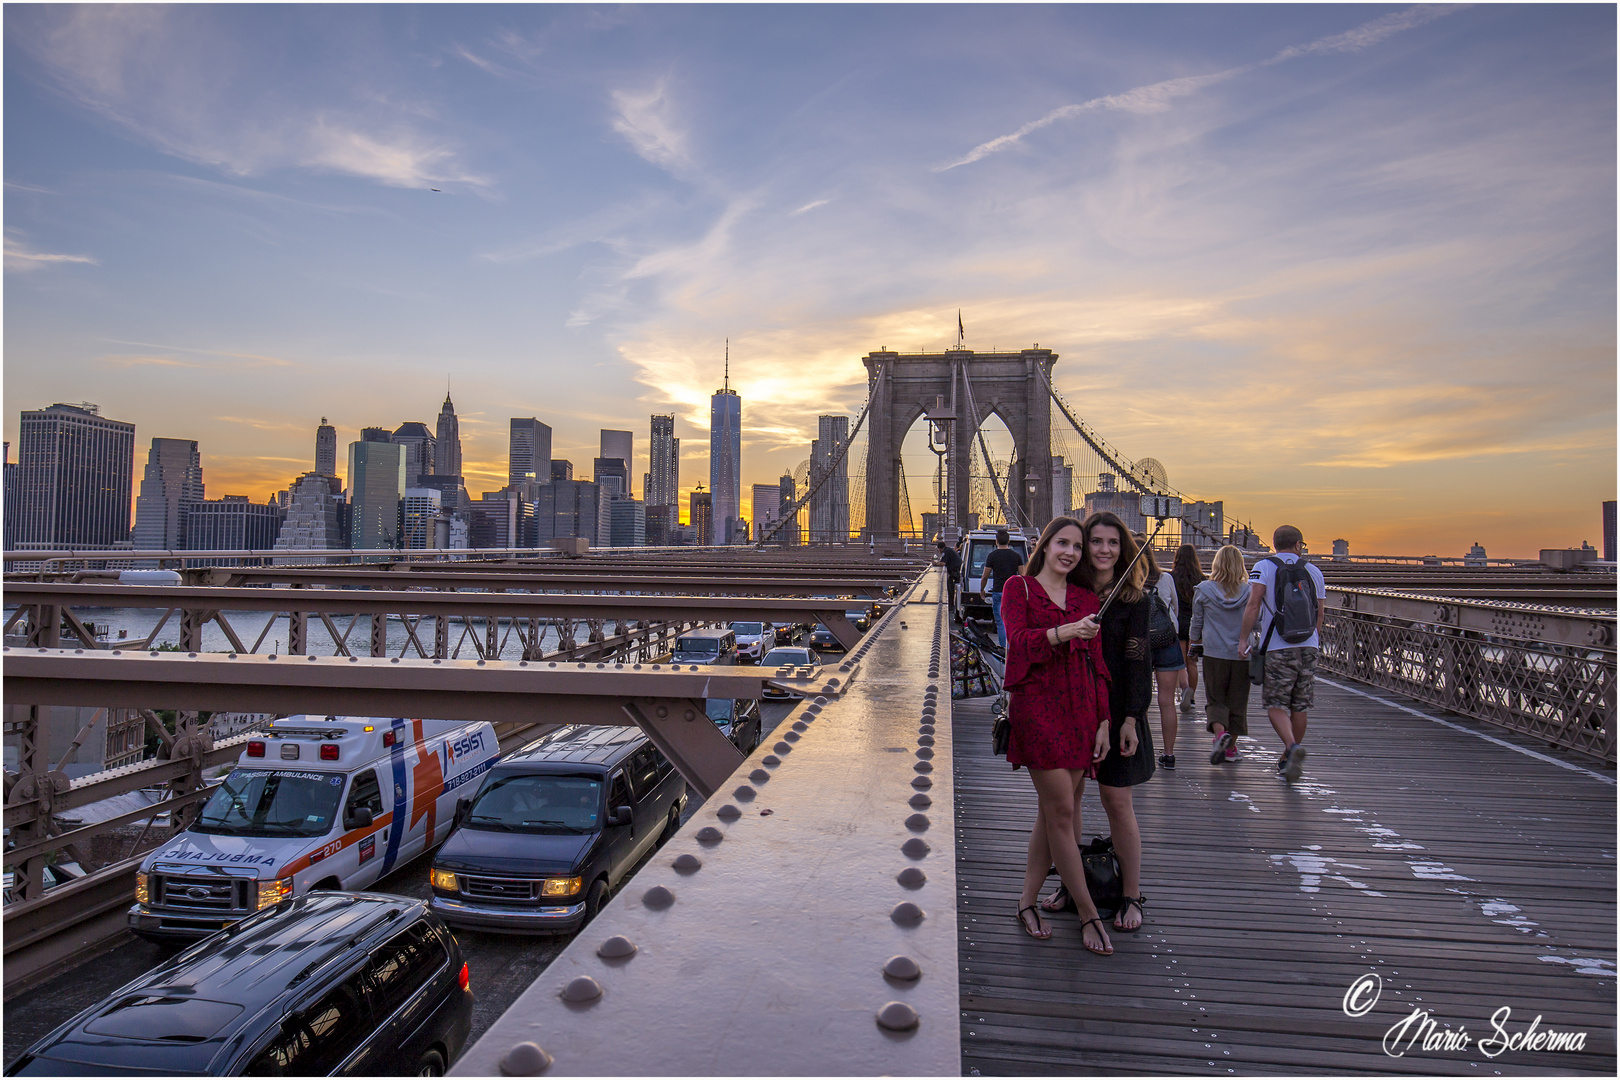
[1466, 876]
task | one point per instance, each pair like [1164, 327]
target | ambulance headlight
[443, 879]
[273, 892]
[560, 886]
[140, 889]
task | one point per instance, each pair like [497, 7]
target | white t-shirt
[1265, 573]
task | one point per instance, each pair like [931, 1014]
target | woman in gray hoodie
[1217, 619]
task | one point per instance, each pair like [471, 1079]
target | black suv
[327, 984]
[553, 830]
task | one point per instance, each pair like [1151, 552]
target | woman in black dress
[1109, 549]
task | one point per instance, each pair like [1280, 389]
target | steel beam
[1583, 627]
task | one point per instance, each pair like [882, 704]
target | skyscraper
[829, 507]
[418, 511]
[326, 449]
[315, 513]
[376, 485]
[447, 448]
[231, 524]
[767, 508]
[725, 457]
[171, 485]
[530, 451]
[702, 520]
[788, 488]
[75, 472]
[620, 444]
[420, 453]
[663, 492]
[613, 475]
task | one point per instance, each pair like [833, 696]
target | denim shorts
[1169, 658]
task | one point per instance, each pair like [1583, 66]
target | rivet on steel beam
[830, 682]
[800, 725]
[898, 1017]
[691, 714]
[782, 748]
[617, 947]
[393, 660]
[843, 667]
[811, 710]
[821, 700]
[356, 660]
[906, 913]
[903, 968]
[931, 688]
[911, 878]
[710, 835]
[658, 898]
[687, 863]
[921, 782]
[791, 736]
[759, 776]
[525, 1059]
[925, 752]
[921, 801]
[744, 793]
[925, 729]
[661, 712]
[272, 656]
[728, 812]
[770, 761]
[915, 848]
[581, 990]
[923, 766]
[925, 739]
[228, 656]
[917, 822]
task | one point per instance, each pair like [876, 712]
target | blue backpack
[1293, 601]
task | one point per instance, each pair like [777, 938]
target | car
[739, 718]
[328, 984]
[786, 633]
[709, 646]
[976, 548]
[797, 657]
[751, 638]
[822, 638]
[554, 829]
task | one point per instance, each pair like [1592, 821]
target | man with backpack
[1291, 594]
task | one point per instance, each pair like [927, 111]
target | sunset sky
[1350, 267]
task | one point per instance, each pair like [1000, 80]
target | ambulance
[320, 802]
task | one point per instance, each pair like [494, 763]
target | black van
[553, 830]
[326, 984]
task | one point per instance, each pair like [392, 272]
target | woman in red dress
[1059, 711]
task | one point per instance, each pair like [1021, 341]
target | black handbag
[1000, 735]
[1161, 627]
[1103, 879]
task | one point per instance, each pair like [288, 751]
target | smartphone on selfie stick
[1159, 507]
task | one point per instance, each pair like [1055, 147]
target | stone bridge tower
[965, 388]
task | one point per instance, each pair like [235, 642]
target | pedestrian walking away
[999, 567]
[1109, 550]
[1285, 610]
[1058, 711]
[1169, 662]
[952, 562]
[1187, 573]
[1216, 631]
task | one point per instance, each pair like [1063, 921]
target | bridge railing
[1542, 671]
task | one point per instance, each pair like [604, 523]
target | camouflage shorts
[1290, 680]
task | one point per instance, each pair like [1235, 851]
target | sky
[1350, 267]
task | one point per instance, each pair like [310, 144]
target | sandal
[1059, 901]
[1106, 948]
[1125, 904]
[1041, 932]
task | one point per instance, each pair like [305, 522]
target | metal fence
[1545, 672]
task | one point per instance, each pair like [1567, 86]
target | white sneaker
[1186, 699]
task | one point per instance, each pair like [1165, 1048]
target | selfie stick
[1121, 577]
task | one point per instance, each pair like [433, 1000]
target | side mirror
[621, 815]
[359, 818]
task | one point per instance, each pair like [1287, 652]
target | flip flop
[1106, 948]
[1125, 904]
[1058, 901]
[1042, 932]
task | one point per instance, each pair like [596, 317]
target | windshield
[538, 803]
[748, 629]
[698, 645]
[782, 657]
[720, 709]
[272, 802]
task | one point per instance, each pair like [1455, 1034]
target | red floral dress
[1059, 693]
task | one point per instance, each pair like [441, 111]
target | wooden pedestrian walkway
[1468, 875]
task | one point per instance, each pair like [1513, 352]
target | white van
[320, 803]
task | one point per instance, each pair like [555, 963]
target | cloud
[19, 256]
[125, 361]
[1157, 97]
[226, 358]
[646, 119]
[807, 207]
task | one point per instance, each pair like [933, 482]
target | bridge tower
[962, 388]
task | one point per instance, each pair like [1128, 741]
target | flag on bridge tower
[961, 335]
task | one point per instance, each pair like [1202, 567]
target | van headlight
[140, 889]
[443, 879]
[561, 886]
[273, 892]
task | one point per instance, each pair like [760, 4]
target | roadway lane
[501, 966]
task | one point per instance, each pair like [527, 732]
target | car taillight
[388, 738]
[255, 748]
[465, 979]
[329, 752]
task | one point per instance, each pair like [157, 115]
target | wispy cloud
[807, 207]
[1157, 97]
[647, 120]
[19, 256]
[227, 358]
[129, 360]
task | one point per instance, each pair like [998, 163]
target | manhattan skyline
[1351, 267]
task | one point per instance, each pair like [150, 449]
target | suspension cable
[791, 512]
[1008, 513]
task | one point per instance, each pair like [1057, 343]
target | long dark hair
[1186, 573]
[1130, 590]
[1038, 560]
